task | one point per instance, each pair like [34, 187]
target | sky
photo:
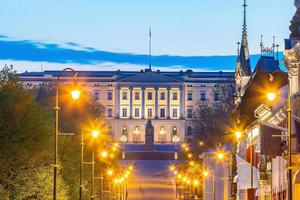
[185, 29]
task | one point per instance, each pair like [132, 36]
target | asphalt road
[151, 181]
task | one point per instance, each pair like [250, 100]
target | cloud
[76, 54]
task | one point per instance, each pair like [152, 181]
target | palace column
[143, 102]
[130, 102]
[117, 102]
[156, 102]
[169, 103]
[182, 102]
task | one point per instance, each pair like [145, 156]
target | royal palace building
[131, 98]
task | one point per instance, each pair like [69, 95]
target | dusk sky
[179, 28]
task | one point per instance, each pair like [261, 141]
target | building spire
[244, 55]
[150, 50]
[245, 21]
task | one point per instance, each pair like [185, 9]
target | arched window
[124, 137]
[137, 135]
[162, 137]
[174, 130]
[162, 130]
[124, 130]
[136, 130]
[189, 131]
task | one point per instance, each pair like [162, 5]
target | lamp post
[75, 95]
[95, 134]
[271, 97]
[81, 168]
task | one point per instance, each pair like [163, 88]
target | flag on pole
[270, 142]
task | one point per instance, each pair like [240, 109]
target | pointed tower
[243, 67]
[244, 57]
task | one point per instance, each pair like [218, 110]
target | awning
[297, 177]
[244, 174]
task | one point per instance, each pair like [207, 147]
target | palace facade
[133, 97]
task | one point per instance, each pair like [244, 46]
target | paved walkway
[151, 181]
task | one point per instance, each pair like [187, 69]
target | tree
[26, 138]
[212, 120]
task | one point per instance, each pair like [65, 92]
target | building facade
[131, 98]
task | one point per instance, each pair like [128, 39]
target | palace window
[162, 96]
[97, 95]
[109, 112]
[162, 137]
[189, 112]
[137, 135]
[175, 114]
[124, 96]
[137, 96]
[136, 112]
[109, 95]
[124, 112]
[190, 96]
[149, 112]
[149, 96]
[175, 96]
[216, 96]
[203, 96]
[189, 131]
[124, 130]
[162, 113]
[174, 130]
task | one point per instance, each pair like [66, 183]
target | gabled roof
[267, 64]
[149, 76]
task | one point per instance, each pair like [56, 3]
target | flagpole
[150, 49]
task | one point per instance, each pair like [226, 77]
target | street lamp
[95, 133]
[271, 96]
[104, 154]
[238, 135]
[75, 95]
[220, 155]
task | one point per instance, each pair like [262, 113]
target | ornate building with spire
[243, 67]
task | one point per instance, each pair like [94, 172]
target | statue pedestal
[149, 137]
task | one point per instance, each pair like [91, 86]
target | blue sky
[179, 28]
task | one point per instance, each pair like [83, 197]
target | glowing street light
[95, 133]
[196, 182]
[220, 155]
[104, 154]
[110, 172]
[75, 94]
[271, 96]
[205, 173]
[172, 168]
[238, 135]
[201, 143]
